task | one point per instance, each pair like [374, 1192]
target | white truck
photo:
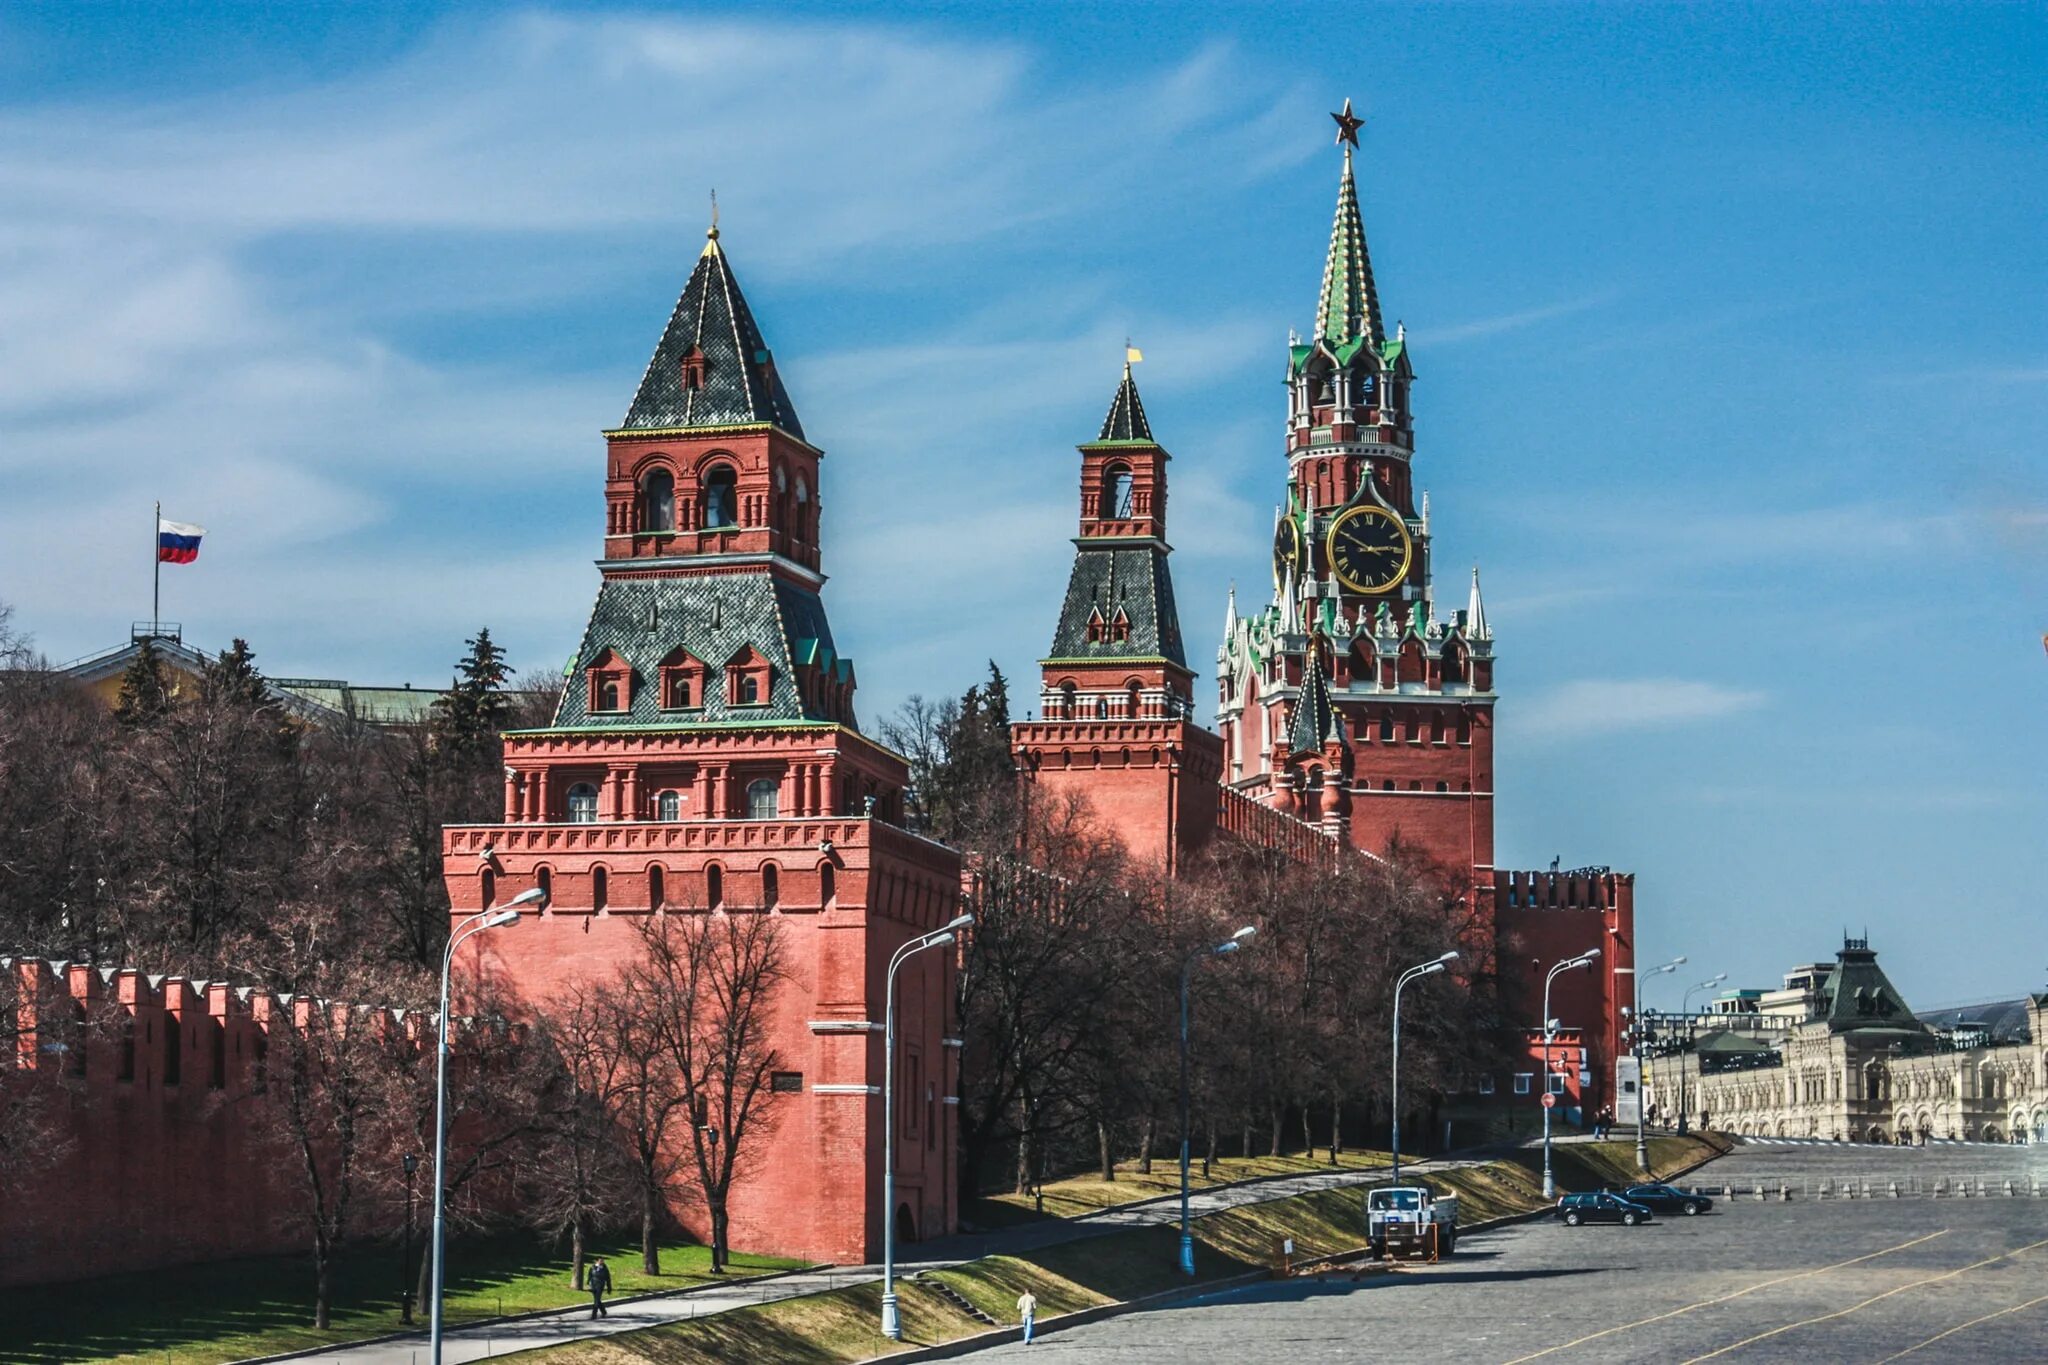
[1411, 1220]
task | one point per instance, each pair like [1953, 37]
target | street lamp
[1690, 1034]
[1584, 959]
[1187, 967]
[411, 1162]
[1642, 1143]
[892, 1323]
[475, 924]
[1425, 969]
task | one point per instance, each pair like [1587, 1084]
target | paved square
[1951, 1278]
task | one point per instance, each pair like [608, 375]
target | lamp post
[1642, 1142]
[1686, 1008]
[1425, 969]
[1187, 968]
[1549, 1031]
[475, 924]
[411, 1162]
[892, 1323]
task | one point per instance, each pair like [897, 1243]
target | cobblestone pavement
[1925, 1278]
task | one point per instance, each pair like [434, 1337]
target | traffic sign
[1549, 1100]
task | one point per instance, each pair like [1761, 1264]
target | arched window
[721, 496]
[668, 806]
[1443, 786]
[487, 887]
[714, 886]
[658, 501]
[828, 885]
[608, 695]
[762, 798]
[600, 887]
[802, 527]
[750, 690]
[771, 886]
[1102, 708]
[582, 804]
[1136, 699]
[657, 888]
[1067, 701]
[1116, 492]
[1387, 727]
[544, 878]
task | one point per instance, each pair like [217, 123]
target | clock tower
[1348, 700]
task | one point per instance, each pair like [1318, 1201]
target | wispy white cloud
[1609, 706]
[151, 345]
[1478, 328]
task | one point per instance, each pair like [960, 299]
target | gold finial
[712, 231]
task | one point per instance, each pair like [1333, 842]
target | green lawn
[231, 1310]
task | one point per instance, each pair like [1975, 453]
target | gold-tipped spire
[711, 233]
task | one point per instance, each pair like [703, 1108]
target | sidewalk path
[485, 1340]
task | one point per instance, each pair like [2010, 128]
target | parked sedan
[1604, 1207]
[1667, 1199]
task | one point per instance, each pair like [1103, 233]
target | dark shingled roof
[1315, 720]
[1860, 996]
[714, 617]
[1131, 576]
[1126, 418]
[2003, 1021]
[740, 382]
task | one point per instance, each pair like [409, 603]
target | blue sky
[1729, 324]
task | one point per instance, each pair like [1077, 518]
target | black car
[1604, 1207]
[1667, 1199]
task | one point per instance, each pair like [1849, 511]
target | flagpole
[156, 595]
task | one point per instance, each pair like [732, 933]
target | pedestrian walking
[1027, 1313]
[599, 1281]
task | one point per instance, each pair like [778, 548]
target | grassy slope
[840, 1327]
[230, 1310]
[1081, 1194]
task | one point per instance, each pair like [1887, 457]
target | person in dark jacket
[599, 1282]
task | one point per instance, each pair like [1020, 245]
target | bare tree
[634, 1077]
[709, 982]
[330, 1088]
[582, 1179]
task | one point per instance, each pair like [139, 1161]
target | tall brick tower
[1347, 700]
[705, 760]
[1116, 693]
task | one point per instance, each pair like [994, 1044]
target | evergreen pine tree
[145, 689]
[233, 678]
[473, 710]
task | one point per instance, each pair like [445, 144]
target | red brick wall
[812, 1186]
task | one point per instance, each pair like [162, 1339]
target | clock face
[1288, 549]
[1369, 549]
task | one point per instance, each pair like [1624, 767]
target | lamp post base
[1187, 1254]
[892, 1324]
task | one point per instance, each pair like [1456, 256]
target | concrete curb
[421, 1333]
[997, 1336]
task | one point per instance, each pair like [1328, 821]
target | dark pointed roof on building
[1126, 418]
[1349, 309]
[1315, 719]
[740, 386]
[1120, 576]
[1858, 994]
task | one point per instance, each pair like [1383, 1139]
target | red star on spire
[1348, 125]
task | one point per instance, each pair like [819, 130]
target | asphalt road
[1868, 1280]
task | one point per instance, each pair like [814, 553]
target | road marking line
[1709, 1303]
[1960, 1326]
[1874, 1298]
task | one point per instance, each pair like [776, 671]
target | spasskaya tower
[1347, 700]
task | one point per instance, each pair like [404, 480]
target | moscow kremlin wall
[706, 757]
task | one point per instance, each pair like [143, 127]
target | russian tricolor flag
[177, 543]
